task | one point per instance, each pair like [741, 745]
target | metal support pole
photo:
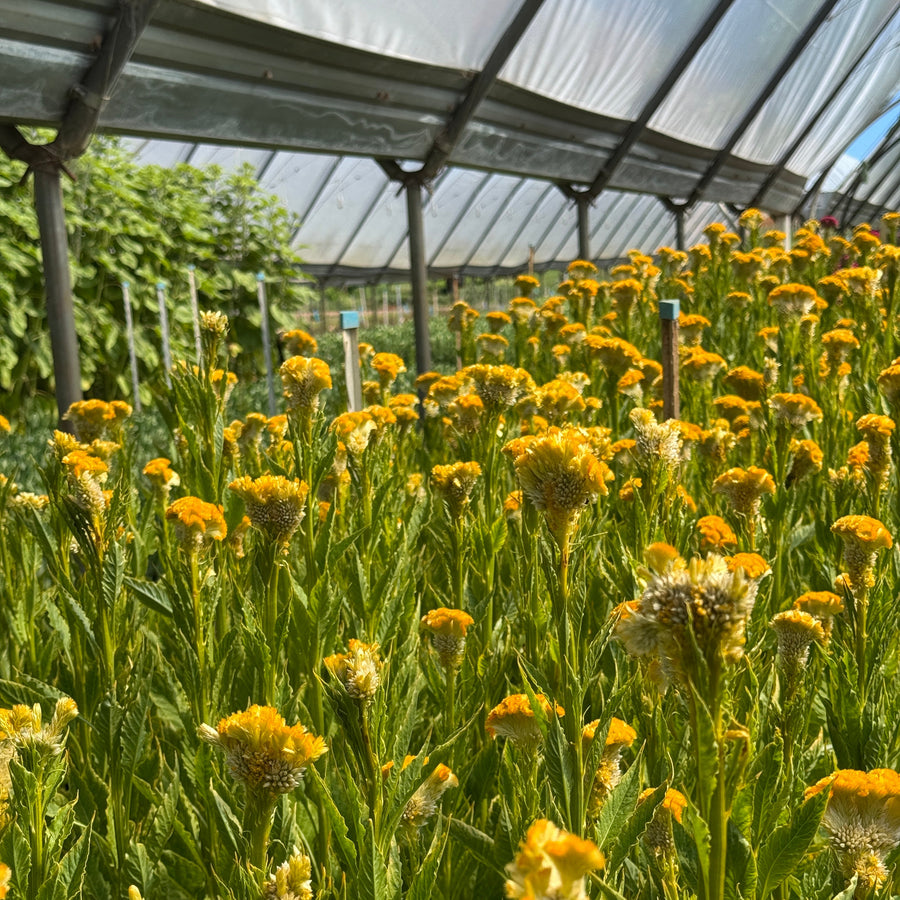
[584, 228]
[418, 275]
[323, 310]
[195, 312]
[679, 230]
[786, 224]
[48, 203]
[164, 331]
[266, 338]
[132, 353]
[350, 333]
[668, 321]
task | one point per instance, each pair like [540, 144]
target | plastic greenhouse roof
[705, 100]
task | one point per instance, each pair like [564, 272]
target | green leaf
[560, 769]
[849, 892]
[632, 830]
[619, 806]
[422, 884]
[780, 855]
[372, 875]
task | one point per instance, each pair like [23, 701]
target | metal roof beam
[787, 63]
[449, 136]
[782, 163]
[637, 127]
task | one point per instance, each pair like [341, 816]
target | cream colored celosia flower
[559, 473]
[22, 726]
[354, 430]
[513, 718]
[86, 475]
[262, 751]
[454, 483]
[276, 505]
[197, 523]
[655, 442]
[795, 632]
[423, 804]
[551, 865]
[863, 536]
[358, 671]
[292, 880]
[303, 379]
[448, 628]
[703, 597]
[862, 820]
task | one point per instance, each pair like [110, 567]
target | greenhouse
[449, 449]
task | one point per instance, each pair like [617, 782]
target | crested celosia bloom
[22, 726]
[299, 342]
[513, 718]
[354, 430]
[795, 410]
[655, 442]
[702, 597]
[745, 382]
[455, 482]
[551, 865]
[160, 474]
[262, 751]
[86, 475]
[560, 475]
[824, 605]
[388, 366]
[715, 533]
[795, 631]
[527, 284]
[558, 399]
[863, 536]
[889, 383]
[292, 880]
[497, 321]
[303, 379]
[614, 354]
[862, 820]
[197, 523]
[492, 347]
[461, 316]
[276, 505]
[752, 564]
[658, 837]
[791, 301]
[96, 419]
[5, 877]
[423, 804]
[877, 431]
[448, 628]
[581, 268]
[695, 362]
[744, 489]
[806, 458]
[609, 771]
[498, 386]
[215, 323]
[358, 670]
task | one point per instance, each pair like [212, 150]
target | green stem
[375, 779]
[451, 699]
[37, 840]
[270, 620]
[258, 822]
[199, 643]
[862, 607]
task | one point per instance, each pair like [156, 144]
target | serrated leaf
[371, 872]
[780, 855]
[632, 830]
[618, 807]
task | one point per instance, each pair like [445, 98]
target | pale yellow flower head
[303, 379]
[455, 482]
[795, 410]
[292, 880]
[744, 488]
[421, 807]
[513, 718]
[197, 523]
[863, 536]
[276, 505]
[262, 751]
[448, 628]
[96, 419]
[358, 670]
[299, 342]
[551, 865]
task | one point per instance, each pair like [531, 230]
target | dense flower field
[507, 634]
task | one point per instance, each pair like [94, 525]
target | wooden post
[668, 320]
[531, 259]
[384, 306]
[132, 354]
[266, 339]
[362, 304]
[350, 332]
[164, 330]
[195, 311]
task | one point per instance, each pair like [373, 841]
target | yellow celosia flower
[658, 837]
[795, 410]
[716, 533]
[655, 443]
[5, 877]
[551, 865]
[355, 430]
[93, 419]
[262, 751]
[276, 505]
[513, 718]
[863, 536]
[751, 564]
[292, 880]
[581, 268]
[862, 820]
[609, 771]
[299, 342]
[197, 523]
[744, 489]
[791, 301]
[388, 366]
[448, 628]
[795, 631]
[660, 557]
[160, 474]
[560, 475]
[746, 383]
[303, 379]
[358, 671]
[877, 430]
[455, 483]
[613, 354]
[423, 804]
[498, 386]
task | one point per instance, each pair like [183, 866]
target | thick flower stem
[862, 608]
[258, 823]
[269, 624]
[451, 699]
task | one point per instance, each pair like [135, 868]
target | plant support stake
[195, 311]
[132, 354]
[668, 320]
[350, 333]
[266, 339]
[164, 330]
